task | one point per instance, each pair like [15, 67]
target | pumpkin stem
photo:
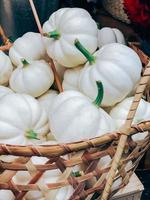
[76, 174]
[95, 195]
[53, 34]
[32, 135]
[24, 62]
[98, 25]
[84, 51]
[100, 94]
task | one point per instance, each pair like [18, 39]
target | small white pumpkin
[6, 68]
[117, 66]
[120, 111]
[30, 47]
[71, 78]
[33, 78]
[62, 28]
[4, 91]
[74, 117]
[6, 195]
[47, 99]
[109, 35]
[22, 120]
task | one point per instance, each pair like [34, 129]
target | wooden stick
[5, 40]
[6, 47]
[56, 76]
[122, 141]
[3, 35]
[36, 17]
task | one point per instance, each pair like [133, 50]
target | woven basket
[93, 182]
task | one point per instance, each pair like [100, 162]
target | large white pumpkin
[117, 66]
[33, 78]
[71, 78]
[74, 117]
[109, 35]
[120, 111]
[6, 68]
[47, 99]
[4, 91]
[6, 195]
[62, 28]
[30, 47]
[22, 120]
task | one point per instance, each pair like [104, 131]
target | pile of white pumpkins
[99, 75]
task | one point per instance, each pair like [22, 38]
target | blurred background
[132, 17]
[16, 16]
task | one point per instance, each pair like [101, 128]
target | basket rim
[53, 150]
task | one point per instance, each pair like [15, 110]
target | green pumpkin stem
[98, 25]
[53, 34]
[32, 135]
[84, 51]
[76, 174]
[24, 62]
[95, 195]
[100, 94]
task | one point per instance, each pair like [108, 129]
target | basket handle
[125, 131]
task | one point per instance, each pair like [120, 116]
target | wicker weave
[94, 181]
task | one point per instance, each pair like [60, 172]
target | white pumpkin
[22, 120]
[117, 66]
[47, 99]
[74, 117]
[6, 68]
[71, 78]
[109, 35]
[4, 91]
[30, 47]
[33, 78]
[120, 111]
[6, 195]
[62, 28]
